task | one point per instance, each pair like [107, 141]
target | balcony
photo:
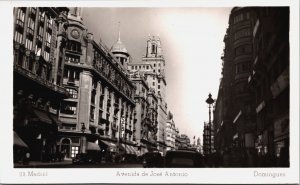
[30, 31]
[32, 76]
[47, 44]
[20, 23]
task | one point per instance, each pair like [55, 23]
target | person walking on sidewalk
[26, 158]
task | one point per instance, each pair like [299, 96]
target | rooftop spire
[119, 36]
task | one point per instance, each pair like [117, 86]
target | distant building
[208, 146]
[185, 141]
[153, 68]
[198, 145]
[170, 132]
[177, 139]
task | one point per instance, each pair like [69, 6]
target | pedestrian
[226, 158]
[26, 158]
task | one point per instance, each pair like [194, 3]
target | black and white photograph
[162, 92]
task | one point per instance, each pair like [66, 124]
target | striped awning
[42, 116]
[127, 148]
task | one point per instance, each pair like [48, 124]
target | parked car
[183, 158]
[152, 159]
[128, 158]
[83, 158]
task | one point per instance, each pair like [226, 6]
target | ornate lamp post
[82, 130]
[209, 101]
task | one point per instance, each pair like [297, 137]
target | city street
[68, 164]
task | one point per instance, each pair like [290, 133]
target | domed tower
[120, 52]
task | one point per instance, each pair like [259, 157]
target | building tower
[157, 81]
[155, 57]
[120, 52]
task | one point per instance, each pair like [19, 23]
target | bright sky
[192, 42]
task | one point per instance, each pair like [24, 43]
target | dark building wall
[255, 83]
[270, 80]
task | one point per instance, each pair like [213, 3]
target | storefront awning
[127, 148]
[135, 150]
[131, 149]
[18, 141]
[42, 116]
[55, 119]
[109, 144]
[92, 146]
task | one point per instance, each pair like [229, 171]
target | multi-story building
[39, 41]
[99, 112]
[185, 141]
[145, 115]
[253, 98]
[208, 139]
[234, 119]
[177, 139]
[153, 68]
[154, 57]
[170, 132]
[198, 145]
[269, 82]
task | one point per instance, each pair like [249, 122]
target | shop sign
[122, 126]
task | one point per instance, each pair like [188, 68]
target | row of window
[242, 67]
[241, 17]
[140, 67]
[72, 59]
[71, 75]
[242, 50]
[242, 33]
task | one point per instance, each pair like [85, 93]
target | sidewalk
[33, 164]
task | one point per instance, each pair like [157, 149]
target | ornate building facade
[153, 68]
[99, 112]
[39, 47]
[145, 119]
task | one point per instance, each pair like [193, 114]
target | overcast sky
[192, 43]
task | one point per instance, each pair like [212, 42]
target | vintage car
[83, 158]
[183, 159]
[152, 159]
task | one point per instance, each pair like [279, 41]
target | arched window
[153, 49]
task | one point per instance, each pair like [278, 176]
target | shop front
[281, 140]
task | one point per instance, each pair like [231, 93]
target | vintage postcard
[148, 91]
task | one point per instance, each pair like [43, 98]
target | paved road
[69, 165]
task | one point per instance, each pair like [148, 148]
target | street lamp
[82, 130]
[209, 101]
